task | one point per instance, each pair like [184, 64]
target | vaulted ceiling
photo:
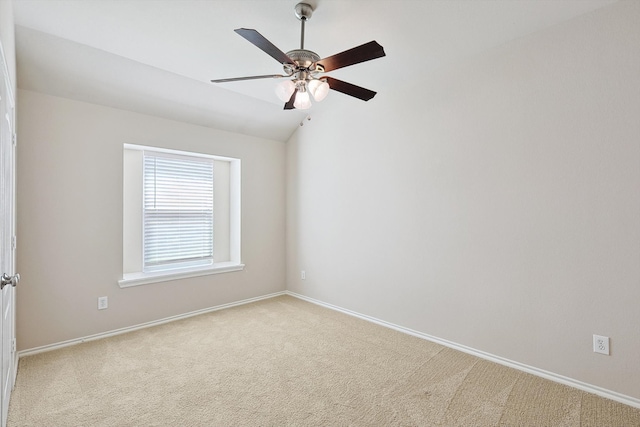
[158, 56]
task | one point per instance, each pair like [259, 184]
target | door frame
[10, 210]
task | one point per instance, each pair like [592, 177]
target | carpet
[287, 362]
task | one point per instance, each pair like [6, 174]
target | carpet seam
[444, 414]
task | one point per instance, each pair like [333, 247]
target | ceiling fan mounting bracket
[303, 11]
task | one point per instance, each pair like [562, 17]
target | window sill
[137, 279]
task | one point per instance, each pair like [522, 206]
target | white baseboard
[609, 394]
[55, 346]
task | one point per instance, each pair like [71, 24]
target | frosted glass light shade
[285, 89]
[319, 89]
[302, 101]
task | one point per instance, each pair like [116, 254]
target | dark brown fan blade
[289, 104]
[356, 55]
[235, 79]
[350, 89]
[262, 43]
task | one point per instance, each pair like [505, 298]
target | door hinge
[13, 345]
[14, 138]
[14, 243]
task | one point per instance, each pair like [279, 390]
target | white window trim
[137, 279]
[234, 264]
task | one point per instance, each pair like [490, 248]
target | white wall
[495, 205]
[70, 176]
[7, 38]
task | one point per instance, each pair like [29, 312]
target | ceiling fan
[303, 67]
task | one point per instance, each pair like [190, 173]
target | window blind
[177, 211]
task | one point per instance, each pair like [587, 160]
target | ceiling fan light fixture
[319, 89]
[301, 67]
[285, 89]
[302, 101]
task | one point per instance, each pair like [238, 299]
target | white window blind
[177, 211]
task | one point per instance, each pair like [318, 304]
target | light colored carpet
[286, 362]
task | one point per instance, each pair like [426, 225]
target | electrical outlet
[601, 344]
[303, 275]
[103, 302]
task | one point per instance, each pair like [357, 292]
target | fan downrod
[303, 13]
[303, 58]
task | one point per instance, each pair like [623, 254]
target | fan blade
[289, 104]
[350, 89]
[235, 79]
[356, 55]
[262, 43]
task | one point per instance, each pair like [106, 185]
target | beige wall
[70, 157]
[495, 205]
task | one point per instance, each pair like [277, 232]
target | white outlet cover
[601, 344]
[103, 303]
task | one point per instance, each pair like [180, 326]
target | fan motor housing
[303, 58]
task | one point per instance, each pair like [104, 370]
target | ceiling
[158, 56]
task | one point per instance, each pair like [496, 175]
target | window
[177, 211]
[181, 215]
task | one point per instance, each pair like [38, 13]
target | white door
[9, 279]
